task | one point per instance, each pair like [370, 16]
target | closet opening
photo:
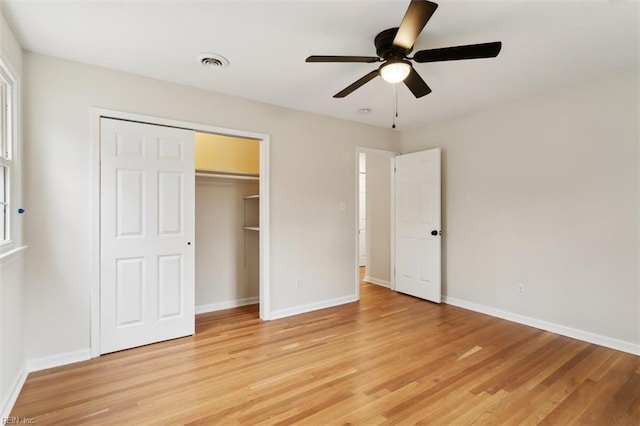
[227, 226]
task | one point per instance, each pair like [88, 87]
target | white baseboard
[12, 396]
[383, 283]
[574, 333]
[212, 307]
[37, 364]
[282, 313]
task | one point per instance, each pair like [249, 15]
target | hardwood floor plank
[616, 400]
[387, 359]
[564, 385]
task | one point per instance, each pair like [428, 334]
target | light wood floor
[389, 359]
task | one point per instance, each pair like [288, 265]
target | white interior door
[147, 201]
[417, 224]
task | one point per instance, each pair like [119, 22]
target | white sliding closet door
[147, 199]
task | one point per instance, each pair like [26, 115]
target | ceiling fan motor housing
[385, 48]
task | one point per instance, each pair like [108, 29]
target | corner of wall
[8, 401]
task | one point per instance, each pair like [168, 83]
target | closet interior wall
[227, 256]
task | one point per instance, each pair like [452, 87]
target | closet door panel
[147, 215]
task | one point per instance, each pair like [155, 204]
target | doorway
[362, 215]
[402, 219]
[374, 195]
[263, 209]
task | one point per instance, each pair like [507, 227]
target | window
[6, 160]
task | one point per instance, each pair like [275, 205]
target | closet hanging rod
[227, 176]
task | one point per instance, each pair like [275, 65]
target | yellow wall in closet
[227, 154]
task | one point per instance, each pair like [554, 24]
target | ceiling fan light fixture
[396, 71]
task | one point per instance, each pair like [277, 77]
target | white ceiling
[546, 45]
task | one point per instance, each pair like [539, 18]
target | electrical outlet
[520, 289]
[298, 282]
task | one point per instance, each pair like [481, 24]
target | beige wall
[312, 171]
[12, 355]
[544, 192]
[226, 255]
[12, 343]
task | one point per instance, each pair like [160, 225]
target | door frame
[96, 115]
[391, 155]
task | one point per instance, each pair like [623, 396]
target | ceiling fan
[395, 44]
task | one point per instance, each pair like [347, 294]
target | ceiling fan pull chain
[395, 98]
[395, 106]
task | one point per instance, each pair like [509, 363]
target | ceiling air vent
[213, 61]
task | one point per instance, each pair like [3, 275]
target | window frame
[10, 159]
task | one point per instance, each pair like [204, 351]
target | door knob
[434, 232]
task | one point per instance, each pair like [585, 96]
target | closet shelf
[251, 213]
[231, 176]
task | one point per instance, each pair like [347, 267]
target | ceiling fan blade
[357, 84]
[320, 58]
[416, 17]
[454, 53]
[416, 84]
